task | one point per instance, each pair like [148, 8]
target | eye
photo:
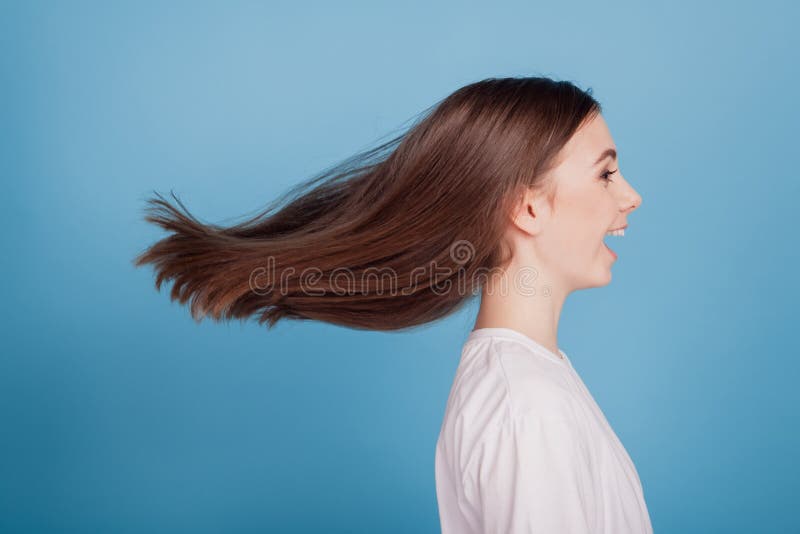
[605, 175]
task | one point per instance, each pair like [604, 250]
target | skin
[561, 247]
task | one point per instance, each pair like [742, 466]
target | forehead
[587, 144]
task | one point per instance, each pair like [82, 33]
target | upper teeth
[620, 232]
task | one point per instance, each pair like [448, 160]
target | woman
[506, 188]
[523, 446]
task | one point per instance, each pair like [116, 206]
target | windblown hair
[395, 236]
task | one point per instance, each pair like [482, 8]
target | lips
[606, 235]
[609, 250]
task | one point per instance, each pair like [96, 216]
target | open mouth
[616, 232]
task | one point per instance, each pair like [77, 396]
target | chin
[603, 278]
[600, 280]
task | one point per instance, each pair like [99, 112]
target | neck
[531, 305]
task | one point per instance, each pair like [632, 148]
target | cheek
[578, 239]
[580, 227]
[581, 216]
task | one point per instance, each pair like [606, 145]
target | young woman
[523, 446]
[506, 188]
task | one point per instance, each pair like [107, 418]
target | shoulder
[537, 386]
[504, 395]
[500, 378]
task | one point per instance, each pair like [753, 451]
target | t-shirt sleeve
[531, 475]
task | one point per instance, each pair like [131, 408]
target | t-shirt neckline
[510, 333]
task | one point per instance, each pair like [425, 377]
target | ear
[531, 210]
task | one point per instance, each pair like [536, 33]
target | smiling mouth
[615, 232]
[619, 228]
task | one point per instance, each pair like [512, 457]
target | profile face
[591, 198]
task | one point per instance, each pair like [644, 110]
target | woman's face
[568, 238]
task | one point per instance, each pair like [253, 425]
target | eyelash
[605, 175]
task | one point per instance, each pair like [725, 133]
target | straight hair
[393, 237]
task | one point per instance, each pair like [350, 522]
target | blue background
[120, 413]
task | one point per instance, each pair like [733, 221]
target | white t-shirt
[524, 448]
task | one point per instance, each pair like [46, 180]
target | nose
[630, 199]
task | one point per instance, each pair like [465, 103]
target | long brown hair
[393, 237]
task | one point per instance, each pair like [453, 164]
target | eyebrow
[606, 153]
